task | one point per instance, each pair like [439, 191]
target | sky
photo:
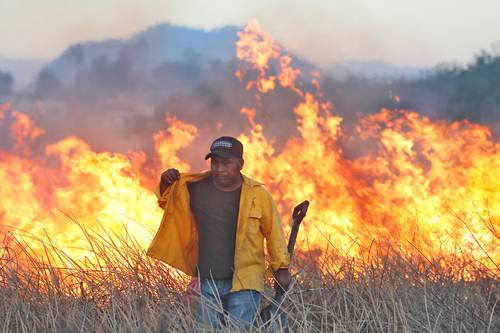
[417, 33]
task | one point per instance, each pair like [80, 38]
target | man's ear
[242, 163]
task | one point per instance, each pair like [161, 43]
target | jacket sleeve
[273, 232]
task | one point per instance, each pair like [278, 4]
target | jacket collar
[197, 176]
[251, 182]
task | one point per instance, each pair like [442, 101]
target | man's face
[225, 171]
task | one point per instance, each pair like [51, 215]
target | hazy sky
[424, 32]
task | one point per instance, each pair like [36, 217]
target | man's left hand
[283, 277]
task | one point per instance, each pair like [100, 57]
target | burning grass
[119, 289]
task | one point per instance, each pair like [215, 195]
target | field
[122, 290]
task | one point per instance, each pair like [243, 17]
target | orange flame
[23, 130]
[167, 143]
[430, 186]
[258, 49]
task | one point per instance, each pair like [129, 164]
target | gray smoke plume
[115, 94]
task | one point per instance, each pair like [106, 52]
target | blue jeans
[217, 305]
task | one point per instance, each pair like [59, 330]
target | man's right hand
[167, 178]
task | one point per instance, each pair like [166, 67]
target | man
[213, 227]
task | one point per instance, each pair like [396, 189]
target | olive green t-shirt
[216, 215]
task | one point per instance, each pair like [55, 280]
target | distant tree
[48, 85]
[75, 54]
[457, 92]
[6, 83]
[477, 93]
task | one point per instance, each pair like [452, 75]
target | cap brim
[219, 154]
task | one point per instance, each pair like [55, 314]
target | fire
[258, 50]
[178, 135]
[96, 190]
[426, 186]
[24, 130]
[49, 199]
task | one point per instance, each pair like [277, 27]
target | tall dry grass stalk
[120, 289]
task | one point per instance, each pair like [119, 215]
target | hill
[124, 87]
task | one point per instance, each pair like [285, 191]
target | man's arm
[276, 243]
[167, 178]
[283, 277]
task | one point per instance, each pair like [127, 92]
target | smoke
[6, 83]
[116, 103]
[118, 98]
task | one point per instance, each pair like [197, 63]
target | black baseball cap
[226, 146]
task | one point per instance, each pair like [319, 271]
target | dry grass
[128, 292]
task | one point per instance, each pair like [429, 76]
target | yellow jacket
[176, 242]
